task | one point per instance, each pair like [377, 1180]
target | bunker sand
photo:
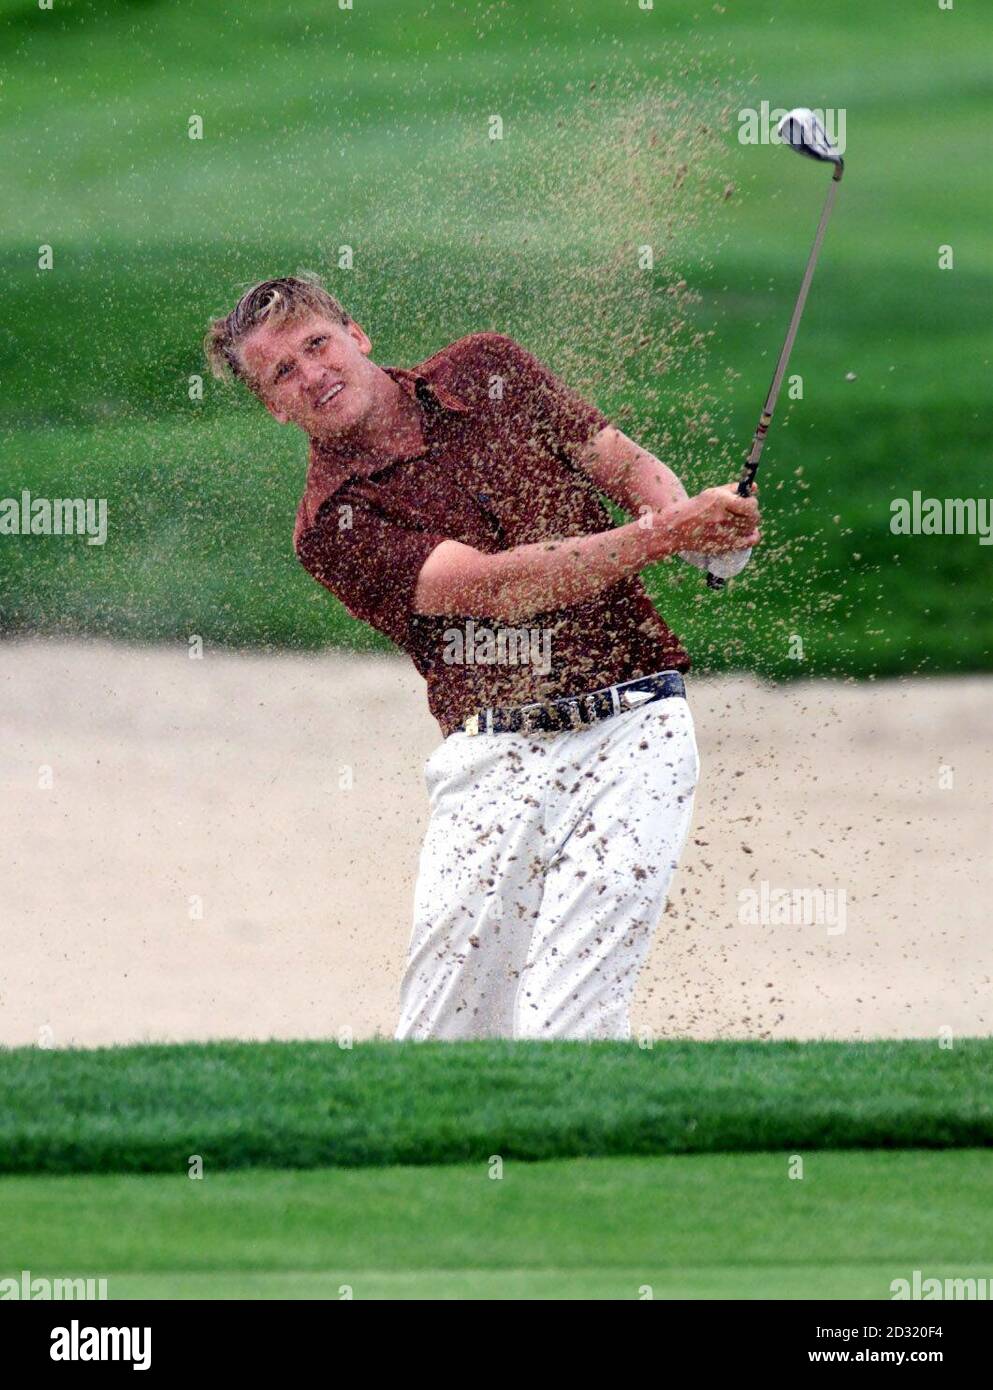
[228, 848]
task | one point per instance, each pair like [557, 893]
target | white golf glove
[725, 566]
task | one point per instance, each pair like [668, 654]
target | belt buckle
[471, 725]
[634, 699]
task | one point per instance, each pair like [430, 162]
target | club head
[801, 129]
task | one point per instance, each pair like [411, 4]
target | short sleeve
[570, 421]
[367, 562]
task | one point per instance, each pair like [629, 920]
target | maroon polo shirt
[497, 470]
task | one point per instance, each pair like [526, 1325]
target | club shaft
[768, 410]
[765, 419]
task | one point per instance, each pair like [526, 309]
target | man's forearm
[629, 475]
[514, 584]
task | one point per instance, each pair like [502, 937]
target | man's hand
[715, 521]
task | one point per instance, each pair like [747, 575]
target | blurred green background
[368, 127]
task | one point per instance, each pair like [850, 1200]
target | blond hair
[270, 301]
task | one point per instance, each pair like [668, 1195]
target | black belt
[575, 711]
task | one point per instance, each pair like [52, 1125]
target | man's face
[314, 373]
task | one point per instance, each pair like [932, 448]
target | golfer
[455, 506]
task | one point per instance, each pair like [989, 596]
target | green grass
[365, 128]
[314, 1105]
[702, 1226]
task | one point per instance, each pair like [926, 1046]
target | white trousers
[544, 873]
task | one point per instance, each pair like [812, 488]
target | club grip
[746, 480]
[714, 581]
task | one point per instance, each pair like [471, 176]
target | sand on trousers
[228, 848]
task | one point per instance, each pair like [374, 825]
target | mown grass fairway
[368, 129]
[312, 1105]
[699, 1226]
[370, 1167]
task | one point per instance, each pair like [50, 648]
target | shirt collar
[430, 393]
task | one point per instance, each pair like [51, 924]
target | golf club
[804, 132]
